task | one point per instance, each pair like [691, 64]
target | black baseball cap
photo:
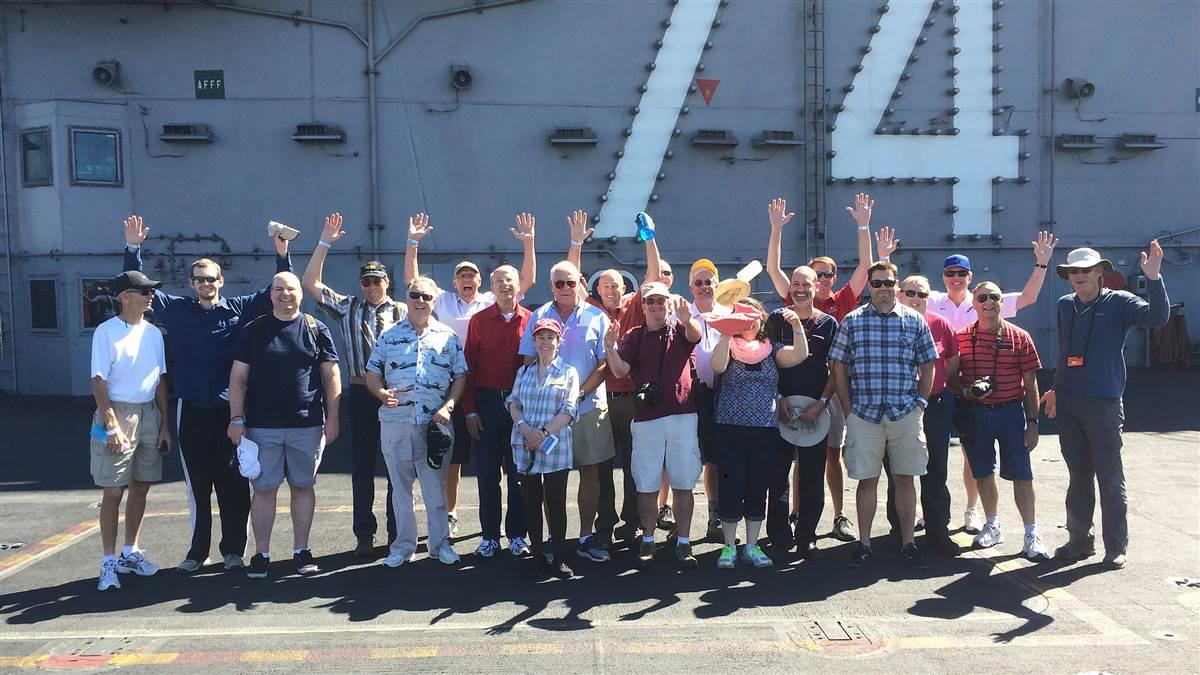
[133, 280]
[373, 269]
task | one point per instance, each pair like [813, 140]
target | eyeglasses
[702, 282]
[423, 297]
[656, 300]
[956, 273]
[917, 294]
[370, 281]
[826, 275]
[984, 297]
[1080, 270]
[877, 283]
[565, 283]
[205, 280]
[144, 292]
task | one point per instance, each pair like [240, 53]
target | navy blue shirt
[809, 377]
[201, 340]
[284, 389]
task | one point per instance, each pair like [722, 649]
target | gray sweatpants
[1090, 434]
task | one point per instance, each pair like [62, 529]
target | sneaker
[989, 536]
[108, 575]
[518, 547]
[754, 555]
[728, 558]
[645, 554]
[447, 555]
[590, 549]
[860, 556]
[972, 521]
[666, 519]
[843, 529]
[715, 532]
[453, 520]
[913, 558]
[1076, 549]
[305, 564]
[396, 559]
[258, 567]
[684, 557]
[137, 564]
[1034, 549]
[233, 561]
[942, 544]
[365, 547]
[559, 569]
[487, 548]
[1114, 561]
[190, 566]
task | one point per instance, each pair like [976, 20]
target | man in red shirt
[836, 305]
[493, 340]
[997, 374]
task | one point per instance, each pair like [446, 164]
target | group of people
[716, 389]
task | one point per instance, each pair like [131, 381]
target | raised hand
[1152, 264]
[861, 211]
[524, 228]
[777, 210]
[578, 221]
[418, 226]
[886, 242]
[333, 228]
[1043, 248]
[612, 336]
[281, 245]
[135, 231]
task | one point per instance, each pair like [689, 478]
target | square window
[35, 158]
[100, 303]
[43, 304]
[96, 157]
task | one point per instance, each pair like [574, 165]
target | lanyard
[1087, 337]
[995, 351]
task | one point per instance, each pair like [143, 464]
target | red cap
[547, 324]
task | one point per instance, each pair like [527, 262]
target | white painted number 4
[973, 155]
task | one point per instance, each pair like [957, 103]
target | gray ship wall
[473, 159]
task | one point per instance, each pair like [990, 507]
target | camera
[982, 387]
[645, 395]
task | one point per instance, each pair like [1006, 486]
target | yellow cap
[704, 264]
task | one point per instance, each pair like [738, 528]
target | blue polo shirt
[202, 341]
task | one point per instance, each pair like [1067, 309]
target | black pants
[548, 489]
[209, 462]
[935, 493]
[810, 501]
[493, 450]
[745, 457]
[620, 414]
[364, 420]
[606, 506]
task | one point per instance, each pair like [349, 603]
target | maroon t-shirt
[643, 350]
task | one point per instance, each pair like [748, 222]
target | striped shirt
[361, 324]
[978, 356]
[883, 352]
[541, 399]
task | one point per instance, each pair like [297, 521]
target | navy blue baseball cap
[957, 260]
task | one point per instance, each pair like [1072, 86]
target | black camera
[982, 387]
[645, 395]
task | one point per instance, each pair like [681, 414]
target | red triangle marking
[707, 89]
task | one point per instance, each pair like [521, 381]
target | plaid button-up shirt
[883, 353]
[540, 400]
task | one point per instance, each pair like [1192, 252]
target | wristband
[132, 247]
[884, 258]
[520, 422]
[863, 228]
[112, 432]
[322, 242]
[414, 243]
[1041, 265]
[577, 244]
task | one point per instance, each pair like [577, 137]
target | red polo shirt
[491, 351]
[839, 304]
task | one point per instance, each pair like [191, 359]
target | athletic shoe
[972, 521]
[397, 559]
[136, 563]
[190, 566]
[1114, 560]
[108, 575]
[913, 558]
[754, 555]
[684, 557]
[715, 532]
[518, 547]
[645, 554]
[728, 558]
[843, 529]
[305, 564]
[666, 519]
[446, 555]
[1034, 549]
[590, 550]
[989, 536]
[1076, 549]
[233, 561]
[487, 548]
[453, 520]
[258, 567]
[860, 556]
[365, 547]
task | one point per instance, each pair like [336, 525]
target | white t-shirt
[961, 316]
[704, 350]
[455, 313]
[130, 359]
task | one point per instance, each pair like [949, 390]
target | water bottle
[645, 226]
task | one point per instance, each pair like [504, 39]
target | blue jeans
[493, 449]
[1003, 425]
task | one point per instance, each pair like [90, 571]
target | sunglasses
[956, 273]
[370, 281]
[702, 282]
[1080, 270]
[417, 295]
[877, 283]
[917, 294]
[205, 280]
[566, 283]
[656, 300]
[826, 275]
[984, 297]
[144, 292]
[664, 273]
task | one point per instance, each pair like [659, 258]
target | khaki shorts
[837, 423]
[591, 439]
[141, 460]
[668, 443]
[902, 441]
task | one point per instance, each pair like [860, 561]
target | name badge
[1074, 361]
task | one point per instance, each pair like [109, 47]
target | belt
[992, 406]
[619, 394]
[503, 392]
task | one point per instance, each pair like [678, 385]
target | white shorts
[837, 423]
[667, 443]
[902, 441]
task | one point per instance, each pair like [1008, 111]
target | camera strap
[995, 350]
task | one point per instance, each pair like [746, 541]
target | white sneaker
[108, 575]
[518, 547]
[972, 521]
[487, 548]
[989, 536]
[137, 564]
[446, 555]
[397, 559]
[1034, 549]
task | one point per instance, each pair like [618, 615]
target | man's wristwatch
[132, 247]
[238, 420]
